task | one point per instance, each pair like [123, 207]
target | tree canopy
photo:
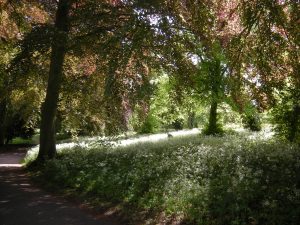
[90, 65]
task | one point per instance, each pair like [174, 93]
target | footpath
[22, 203]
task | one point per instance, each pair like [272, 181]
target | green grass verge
[20, 141]
[198, 180]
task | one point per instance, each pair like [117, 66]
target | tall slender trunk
[216, 80]
[191, 119]
[2, 121]
[212, 123]
[47, 138]
[294, 123]
[111, 100]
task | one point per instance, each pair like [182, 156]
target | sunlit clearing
[157, 137]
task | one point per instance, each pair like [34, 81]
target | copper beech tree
[124, 41]
[121, 35]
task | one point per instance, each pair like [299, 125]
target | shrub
[150, 125]
[178, 124]
[252, 122]
[16, 126]
[211, 130]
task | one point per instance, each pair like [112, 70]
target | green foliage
[164, 105]
[174, 109]
[251, 118]
[211, 79]
[211, 83]
[213, 130]
[252, 122]
[266, 59]
[204, 180]
[286, 115]
[178, 124]
[21, 141]
[21, 109]
[16, 127]
[229, 115]
[150, 125]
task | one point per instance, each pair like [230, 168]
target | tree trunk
[216, 80]
[2, 122]
[294, 123]
[191, 120]
[111, 99]
[213, 122]
[47, 137]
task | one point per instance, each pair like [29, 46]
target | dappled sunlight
[11, 160]
[23, 203]
[187, 109]
[93, 142]
[265, 134]
[157, 137]
[194, 177]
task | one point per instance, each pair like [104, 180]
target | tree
[49, 107]
[16, 19]
[211, 84]
[114, 31]
[271, 54]
[218, 27]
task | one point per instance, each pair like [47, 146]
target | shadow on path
[21, 203]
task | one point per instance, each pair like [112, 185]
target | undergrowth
[201, 180]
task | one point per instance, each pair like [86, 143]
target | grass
[25, 141]
[235, 179]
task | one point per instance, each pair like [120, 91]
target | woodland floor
[23, 203]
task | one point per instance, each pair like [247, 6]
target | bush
[178, 124]
[211, 130]
[16, 127]
[252, 122]
[150, 125]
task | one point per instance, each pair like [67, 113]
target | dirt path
[21, 203]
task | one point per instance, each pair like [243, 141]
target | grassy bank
[196, 180]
